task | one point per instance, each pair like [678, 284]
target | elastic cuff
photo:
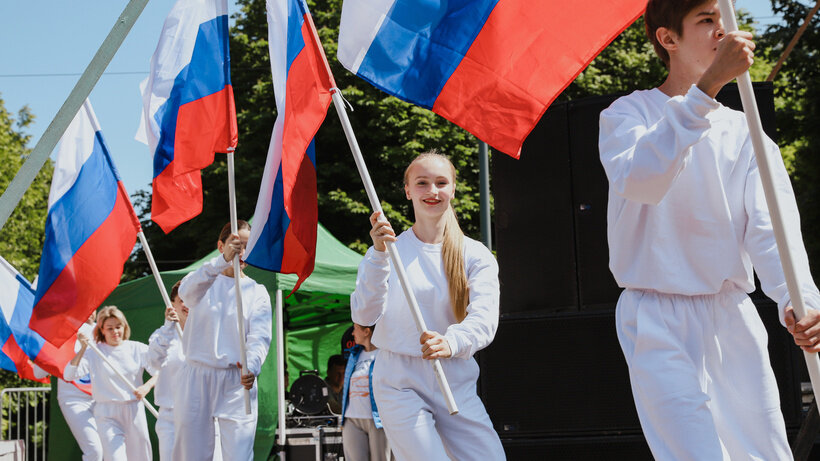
[701, 103]
[452, 341]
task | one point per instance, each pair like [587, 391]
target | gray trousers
[362, 441]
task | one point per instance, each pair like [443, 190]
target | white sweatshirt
[212, 327]
[686, 206]
[130, 359]
[379, 298]
[165, 353]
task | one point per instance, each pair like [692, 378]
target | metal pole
[280, 372]
[237, 273]
[484, 194]
[21, 182]
[766, 163]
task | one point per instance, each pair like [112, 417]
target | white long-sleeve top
[165, 353]
[379, 300]
[130, 359]
[213, 338]
[686, 206]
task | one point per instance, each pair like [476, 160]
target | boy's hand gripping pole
[765, 163]
[338, 102]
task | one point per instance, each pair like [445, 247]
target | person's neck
[429, 230]
[229, 272]
[679, 80]
[182, 324]
[369, 347]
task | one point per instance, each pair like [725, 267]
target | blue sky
[47, 44]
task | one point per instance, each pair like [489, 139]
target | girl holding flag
[210, 385]
[455, 280]
[120, 417]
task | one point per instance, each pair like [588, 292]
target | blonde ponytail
[452, 252]
[452, 248]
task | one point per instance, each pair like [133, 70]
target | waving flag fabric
[188, 107]
[283, 238]
[16, 303]
[91, 229]
[15, 295]
[491, 66]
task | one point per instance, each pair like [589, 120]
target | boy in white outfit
[210, 385]
[687, 220]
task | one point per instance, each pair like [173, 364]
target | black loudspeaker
[554, 381]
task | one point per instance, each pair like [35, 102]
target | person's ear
[407, 191]
[667, 38]
[220, 245]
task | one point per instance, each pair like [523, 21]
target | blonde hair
[106, 313]
[452, 248]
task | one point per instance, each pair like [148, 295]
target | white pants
[78, 414]
[363, 441]
[206, 393]
[165, 435]
[415, 415]
[701, 378]
[123, 431]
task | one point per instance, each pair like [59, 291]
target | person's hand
[434, 346]
[171, 314]
[142, 391]
[806, 332]
[248, 379]
[381, 232]
[83, 339]
[232, 247]
[735, 54]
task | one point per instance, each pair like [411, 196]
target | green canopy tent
[315, 318]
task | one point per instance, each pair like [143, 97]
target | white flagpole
[391, 248]
[125, 380]
[443, 385]
[280, 371]
[157, 277]
[240, 317]
[765, 163]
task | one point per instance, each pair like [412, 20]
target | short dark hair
[175, 290]
[668, 14]
[226, 229]
[334, 361]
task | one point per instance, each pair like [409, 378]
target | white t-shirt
[358, 393]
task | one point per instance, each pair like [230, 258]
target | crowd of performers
[687, 220]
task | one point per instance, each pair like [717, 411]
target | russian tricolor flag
[490, 66]
[283, 238]
[91, 229]
[188, 107]
[19, 341]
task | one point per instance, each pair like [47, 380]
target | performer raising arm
[210, 385]
[687, 219]
[455, 280]
[120, 417]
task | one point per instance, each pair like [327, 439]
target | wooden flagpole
[765, 163]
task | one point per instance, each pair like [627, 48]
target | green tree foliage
[797, 92]
[21, 239]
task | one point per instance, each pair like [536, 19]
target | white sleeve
[477, 330]
[759, 240]
[369, 299]
[141, 354]
[259, 331]
[196, 284]
[158, 345]
[641, 161]
[71, 372]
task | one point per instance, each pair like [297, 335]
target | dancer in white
[165, 353]
[120, 416]
[687, 220]
[77, 407]
[455, 280]
[210, 385]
